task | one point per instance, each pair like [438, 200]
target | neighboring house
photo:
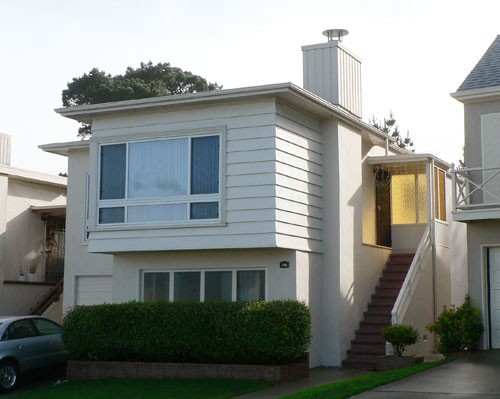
[32, 224]
[256, 193]
[477, 188]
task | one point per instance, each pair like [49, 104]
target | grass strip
[345, 389]
[175, 388]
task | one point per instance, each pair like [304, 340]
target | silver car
[26, 343]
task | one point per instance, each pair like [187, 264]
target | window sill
[128, 227]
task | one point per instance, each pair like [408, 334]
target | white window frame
[86, 209]
[187, 199]
[437, 195]
[202, 272]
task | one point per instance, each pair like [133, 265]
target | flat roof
[288, 91]
[33, 177]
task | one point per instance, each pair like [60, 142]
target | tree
[146, 81]
[391, 128]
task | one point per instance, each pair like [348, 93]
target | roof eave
[477, 95]
[315, 104]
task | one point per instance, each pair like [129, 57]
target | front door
[383, 207]
[494, 279]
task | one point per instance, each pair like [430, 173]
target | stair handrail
[412, 278]
[49, 298]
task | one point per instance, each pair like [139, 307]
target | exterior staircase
[50, 297]
[369, 343]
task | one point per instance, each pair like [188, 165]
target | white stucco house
[264, 192]
[477, 188]
[32, 213]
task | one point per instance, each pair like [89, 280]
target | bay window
[171, 180]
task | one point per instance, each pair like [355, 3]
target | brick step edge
[91, 370]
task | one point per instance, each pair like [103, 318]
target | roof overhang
[64, 148]
[289, 92]
[408, 158]
[477, 95]
[33, 177]
[53, 210]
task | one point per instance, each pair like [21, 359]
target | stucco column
[331, 245]
[4, 180]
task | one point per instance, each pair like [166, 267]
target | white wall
[300, 281]
[77, 261]
[298, 179]
[25, 229]
[263, 167]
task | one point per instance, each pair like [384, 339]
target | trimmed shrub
[459, 329]
[273, 332]
[400, 336]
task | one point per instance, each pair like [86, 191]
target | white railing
[476, 188]
[412, 278]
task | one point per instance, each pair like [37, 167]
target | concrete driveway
[475, 376]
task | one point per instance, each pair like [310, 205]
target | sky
[414, 53]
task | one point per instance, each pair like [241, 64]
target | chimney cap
[335, 34]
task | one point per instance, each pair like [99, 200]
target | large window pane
[204, 210]
[111, 215]
[218, 286]
[157, 213]
[403, 199]
[422, 198]
[442, 196]
[112, 171]
[205, 165]
[250, 285]
[187, 286]
[156, 287]
[158, 168]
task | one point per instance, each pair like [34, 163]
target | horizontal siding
[273, 177]
[298, 179]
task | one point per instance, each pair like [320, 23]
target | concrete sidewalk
[475, 376]
[319, 376]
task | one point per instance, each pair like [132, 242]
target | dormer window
[166, 181]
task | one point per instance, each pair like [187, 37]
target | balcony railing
[476, 190]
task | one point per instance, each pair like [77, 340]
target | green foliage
[146, 81]
[168, 388]
[459, 329]
[400, 336]
[272, 332]
[353, 386]
[391, 128]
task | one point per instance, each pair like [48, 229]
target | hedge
[272, 332]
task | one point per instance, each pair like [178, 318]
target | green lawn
[145, 389]
[345, 389]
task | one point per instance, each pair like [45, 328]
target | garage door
[494, 270]
[93, 290]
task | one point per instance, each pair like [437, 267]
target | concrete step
[359, 364]
[372, 326]
[384, 300]
[388, 283]
[397, 267]
[401, 257]
[387, 291]
[372, 349]
[368, 335]
[382, 318]
[394, 275]
[380, 307]
[376, 339]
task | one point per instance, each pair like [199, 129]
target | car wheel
[9, 376]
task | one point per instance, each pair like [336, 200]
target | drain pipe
[386, 146]
[433, 237]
